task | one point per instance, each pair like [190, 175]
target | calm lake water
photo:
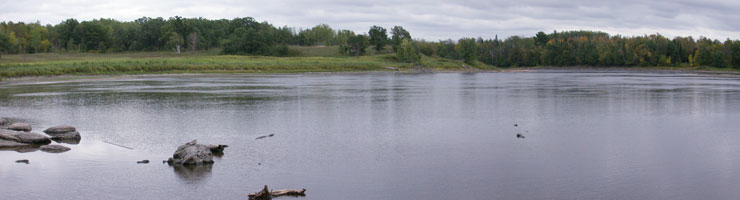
[601, 135]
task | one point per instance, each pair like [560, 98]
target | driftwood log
[267, 194]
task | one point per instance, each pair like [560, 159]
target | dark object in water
[519, 135]
[142, 162]
[216, 148]
[516, 124]
[22, 161]
[267, 194]
[264, 136]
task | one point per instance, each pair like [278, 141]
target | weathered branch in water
[267, 194]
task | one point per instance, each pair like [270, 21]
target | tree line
[589, 48]
[248, 36]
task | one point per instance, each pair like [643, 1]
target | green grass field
[314, 59]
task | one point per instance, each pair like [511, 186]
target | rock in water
[34, 138]
[54, 148]
[9, 135]
[143, 162]
[22, 161]
[216, 148]
[3, 121]
[191, 153]
[24, 137]
[60, 129]
[67, 134]
[20, 127]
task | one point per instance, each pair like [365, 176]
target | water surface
[386, 136]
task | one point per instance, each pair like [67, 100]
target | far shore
[579, 69]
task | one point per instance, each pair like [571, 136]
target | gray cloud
[432, 20]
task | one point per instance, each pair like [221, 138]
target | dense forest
[248, 36]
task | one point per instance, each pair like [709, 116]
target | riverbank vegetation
[46, 64]
[245, 44]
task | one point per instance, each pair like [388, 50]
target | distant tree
[93, 36]
[378, 37]
[446, 49]
[322, 34]
[736, 54]
[357, 44]
[251, 38]
[4, 43]
[342, 39]
[408, 52]
[65, 31]
[467, 48]
[541, 39]
[175, 41]
[398, 34]
[45, 46]
[193, 40]
[427, 48]
[151, 31]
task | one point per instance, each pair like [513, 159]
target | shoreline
[114, 76]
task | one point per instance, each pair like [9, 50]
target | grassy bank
[50, 64]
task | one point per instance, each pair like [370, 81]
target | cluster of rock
[18, 137]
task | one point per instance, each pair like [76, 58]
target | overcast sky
[428, 19]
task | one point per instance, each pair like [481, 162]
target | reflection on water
[67, 140]
[22, 148]
[192, 174]
[387, 136]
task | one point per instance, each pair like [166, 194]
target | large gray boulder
[24, 137]
[63, 132]
[9, 142]
[191, 153]
[54, 148]
[20, 127]
[33, 138]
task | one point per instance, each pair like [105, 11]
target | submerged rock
[22, 161]
[142, 162]
[20, 127]
[54, 148]
[191, 153]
